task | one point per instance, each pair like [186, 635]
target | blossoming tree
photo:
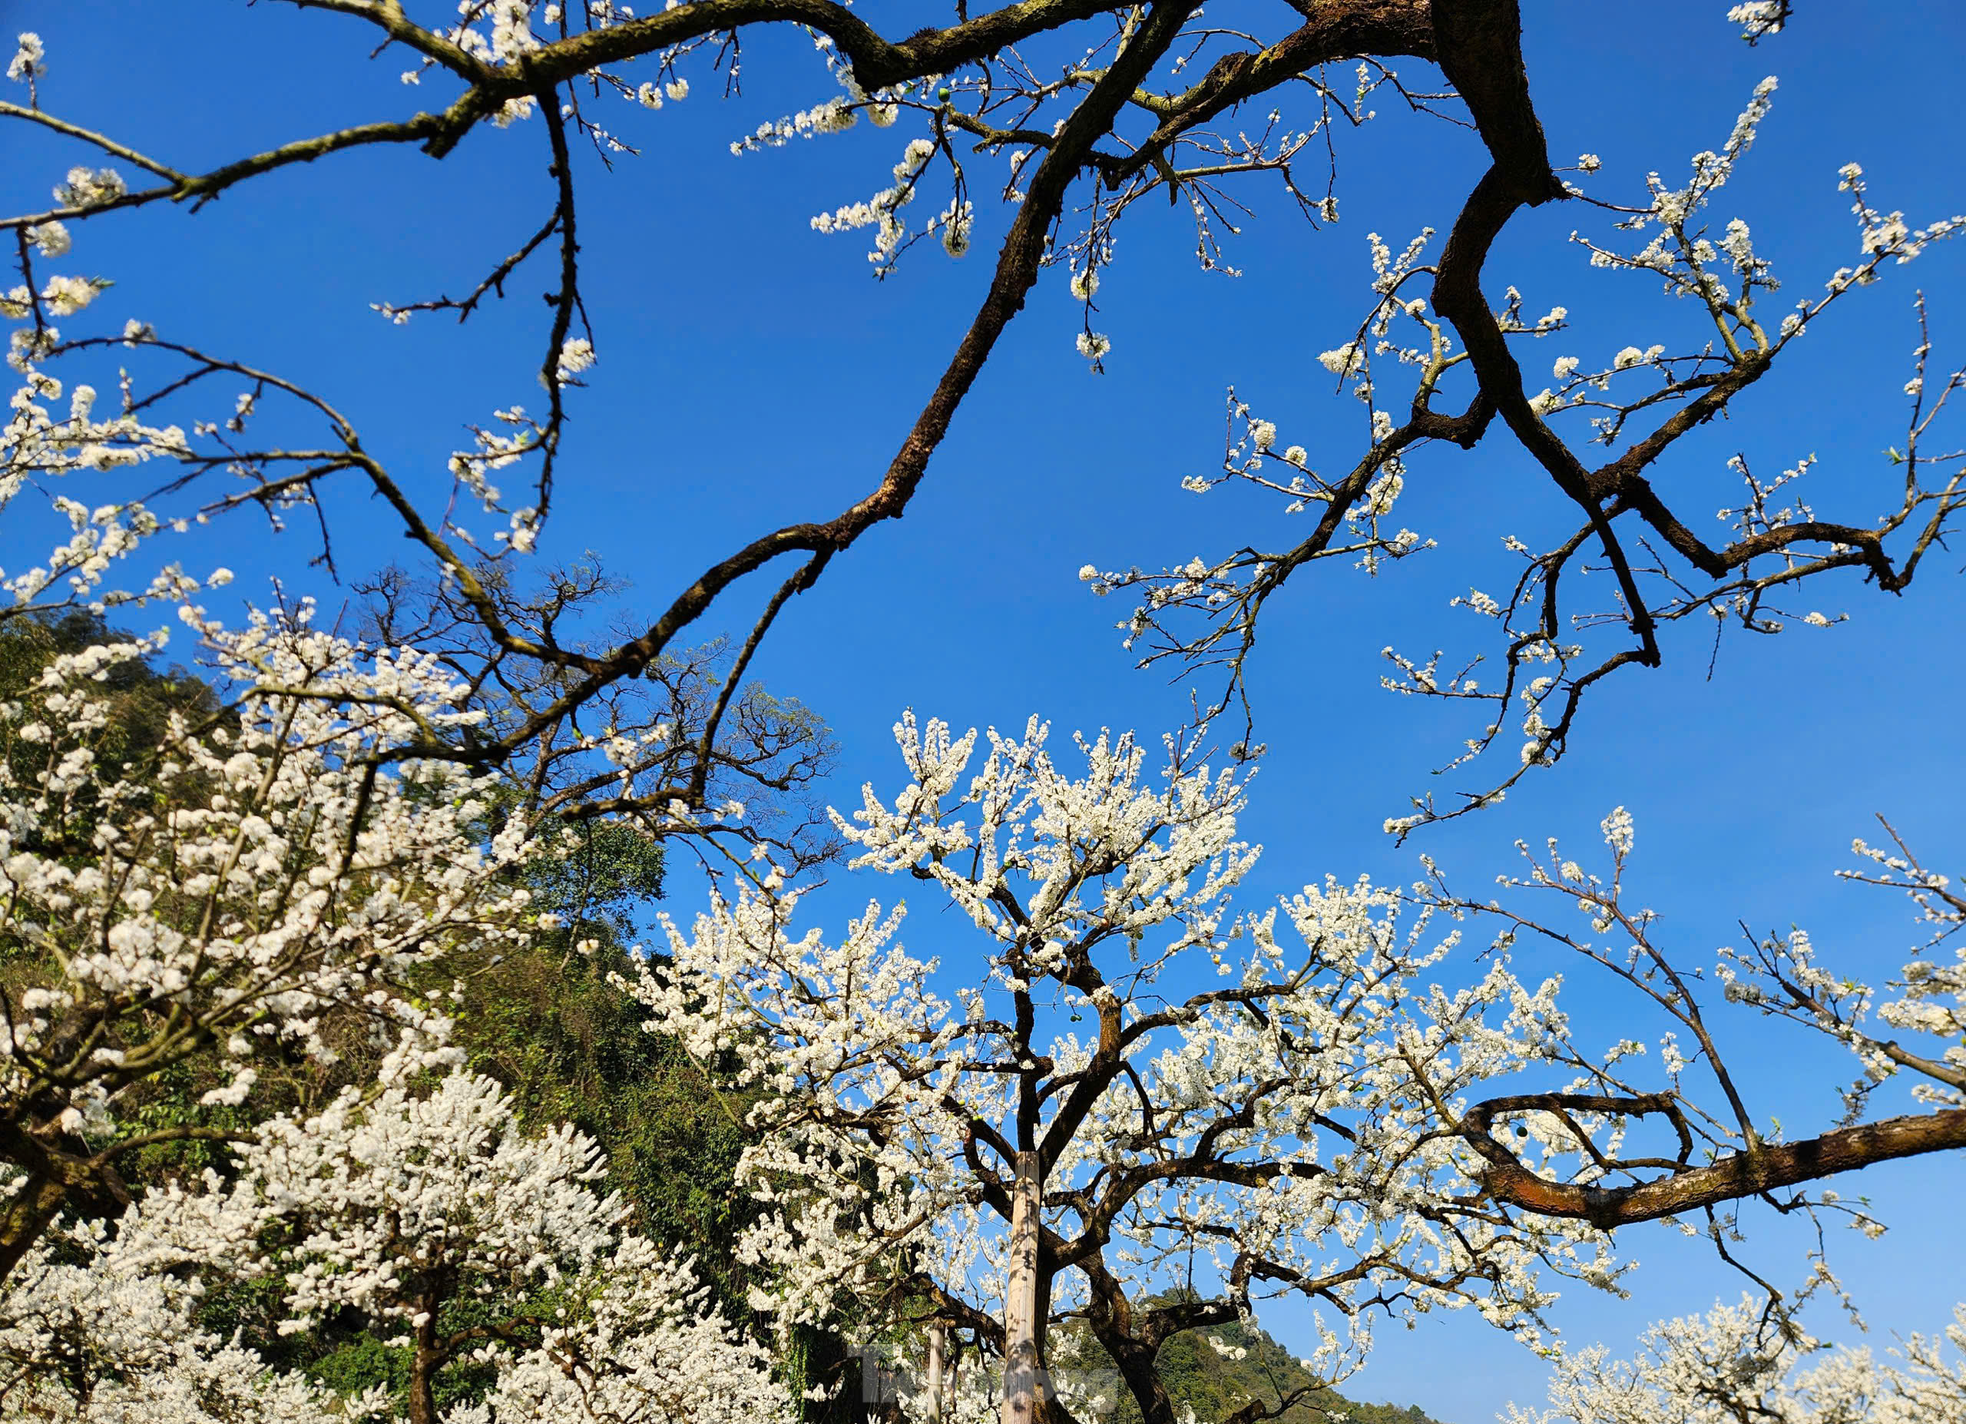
[259, 873]
[99, 1324]
[1324, 1113]
[427, 1213]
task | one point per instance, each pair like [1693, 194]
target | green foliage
[141, 697]
[549, 1024]
[612, 869]
[1198, 1377]
[1215, 1385]
[362, 1362]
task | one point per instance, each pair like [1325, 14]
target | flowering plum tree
[1088, 109]
[404, 1208]
[430, 1214]
[1236, 1118]
[100, 1325]
[259, 871]
[1638, 405]
[436, 1216]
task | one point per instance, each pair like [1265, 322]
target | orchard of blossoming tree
[349, 1074]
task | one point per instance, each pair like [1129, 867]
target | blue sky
[751, 373]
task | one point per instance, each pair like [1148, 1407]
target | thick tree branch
[1743, 1174]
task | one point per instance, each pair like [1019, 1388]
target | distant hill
[1215, 1385]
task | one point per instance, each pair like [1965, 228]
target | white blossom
[29, 59]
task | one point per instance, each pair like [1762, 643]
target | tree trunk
[1022, 1368]
[938, 1334]
[426, 1359]
[1136, 1367]
[25, 1217]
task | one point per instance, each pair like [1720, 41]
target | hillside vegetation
[1250, 1365]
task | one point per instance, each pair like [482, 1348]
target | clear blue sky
[751, 372]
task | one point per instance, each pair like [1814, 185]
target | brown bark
[27, 1214]
[1137, 1368]
[938, 1335]
[1744, 1174]
[1022, 1370]
[427, 1357]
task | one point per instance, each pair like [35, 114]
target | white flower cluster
[835, 115]
[30, 59]
[1740, 1362]
[88, 188]
[1759, 19]
[882, 211]
[429, 1214]
[98, 1326]
[500, 32]
[264, 869]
